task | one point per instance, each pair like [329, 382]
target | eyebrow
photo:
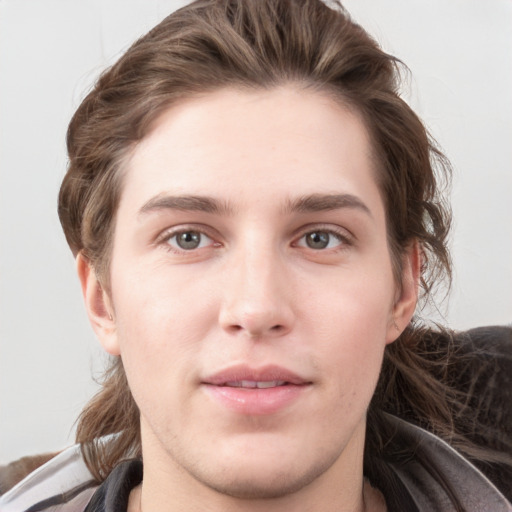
[304, 204]
[186, 203]
[326, 202]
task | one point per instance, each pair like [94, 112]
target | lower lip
[255, 401]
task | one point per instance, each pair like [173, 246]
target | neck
[372, 500]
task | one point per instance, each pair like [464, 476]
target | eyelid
[168, 233]
[344, 235]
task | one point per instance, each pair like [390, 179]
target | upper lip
[262, 374]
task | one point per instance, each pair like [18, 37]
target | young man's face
[252, 292]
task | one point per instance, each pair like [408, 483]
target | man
[252, 208]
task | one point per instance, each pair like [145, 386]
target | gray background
[459, 52]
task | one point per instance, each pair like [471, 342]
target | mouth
[251, 384]
[253, 391]
[244, 376]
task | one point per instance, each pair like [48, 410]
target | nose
[257, 297]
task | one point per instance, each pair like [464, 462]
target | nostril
[277, 328]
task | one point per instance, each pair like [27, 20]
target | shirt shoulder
[63, 484]
[436, 476]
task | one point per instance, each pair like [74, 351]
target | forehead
[283, 141]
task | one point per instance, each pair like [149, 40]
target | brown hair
[212, 44]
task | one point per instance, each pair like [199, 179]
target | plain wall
[460, 55]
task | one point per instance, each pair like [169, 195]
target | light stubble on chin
[234, 483]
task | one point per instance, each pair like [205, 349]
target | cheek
[356, 304]
[352, 320]
[161, 304]
[159, 355]
[161, 323]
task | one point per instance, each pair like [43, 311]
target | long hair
[211, 44]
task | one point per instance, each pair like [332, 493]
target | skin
[252, 292]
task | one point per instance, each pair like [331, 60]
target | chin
[258, 480]
[252, 486]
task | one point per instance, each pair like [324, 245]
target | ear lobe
[98, 306]
[405, 305]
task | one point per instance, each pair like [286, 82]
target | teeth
[270, 384]
[251, 384]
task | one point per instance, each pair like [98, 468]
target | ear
[407, 296]
[98, 306]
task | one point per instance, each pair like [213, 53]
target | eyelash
[345, 239]
[164, 239]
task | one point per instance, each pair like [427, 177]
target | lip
[264, 373]
[253, 400]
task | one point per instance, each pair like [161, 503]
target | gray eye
[188, 240]
[318, 239]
